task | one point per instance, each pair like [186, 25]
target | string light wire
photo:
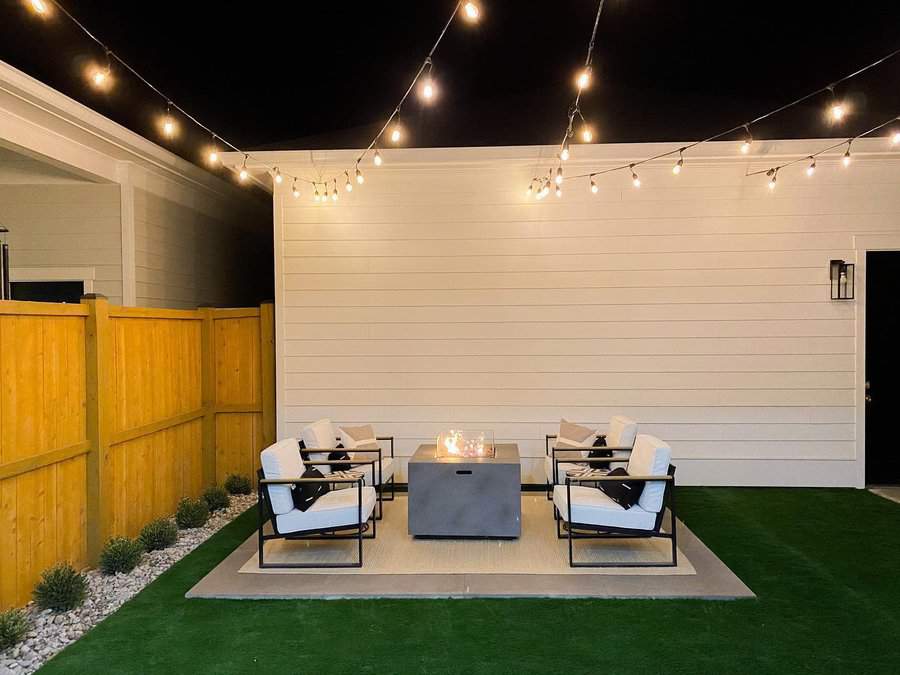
[171, 105]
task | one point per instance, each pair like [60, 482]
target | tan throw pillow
[356, 437]
[574, 435]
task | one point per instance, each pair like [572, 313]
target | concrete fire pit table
[465, 496]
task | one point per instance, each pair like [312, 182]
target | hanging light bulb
[846, 159]
[396, 133]
[811, 169]
[748, 140]
[558, 191]
[546, 189]
[168, 122]
[377, 159]
[530, 190]
[634, 177]
[359, 176]
[244, 174]
[583, 79]
[559, 176]
[773, 178]
[564, 153]
[213, 155]
[317, 197]
[278, 177]
[294, 190]
[587, 134]
[348, 186]
[471, 11]
[895, 139]
[594, 187]
[427, 89]
[680, 163]
[334, 192]
[39, 7]
[838, 111]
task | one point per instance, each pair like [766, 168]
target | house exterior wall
[65, 228]
[438, 295]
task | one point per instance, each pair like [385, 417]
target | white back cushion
[650, 457]
[356, 437]
[320, 434]
[281, 460]
[622, 432]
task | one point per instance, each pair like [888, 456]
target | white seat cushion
[561, 469]
[320, 434]
[334, 509]
[650, 457]
[281, 460]
[371, 471]
[592, 507]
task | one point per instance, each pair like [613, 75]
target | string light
[846, 158]
[895, 139]
[334, 192]
[377, 159]
[278, 177]
[530, 189]
[811, 169]
[546, 189]
[101, 77]
[679, 164]
[39, 7]
[583, 79]
[564, 153]
[243, 175]
[558, 191]
[773, 178]
[587, 134]
[427, 90]
[396, 133]
[559, 176]
[471, 11]
[594, 187]
[359, 177]
[634, 178]
[348, 186]
[838, 109]
[168, 122]
[317, 197]
[294, 189]
[748, 140]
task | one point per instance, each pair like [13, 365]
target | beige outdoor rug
[537, 551]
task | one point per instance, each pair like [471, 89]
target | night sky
[308, 74]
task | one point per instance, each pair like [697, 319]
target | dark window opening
[48, 291]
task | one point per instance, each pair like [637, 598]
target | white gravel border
[51, 632]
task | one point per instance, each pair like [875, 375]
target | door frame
[862, 245]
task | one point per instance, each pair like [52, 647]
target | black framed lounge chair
[337, 514]
[584, 512]
[320, 440]
[565, 457]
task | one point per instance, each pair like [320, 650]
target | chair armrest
[615, 448]
[317, 462]
[294, 481]
[620, 479]
[320, 450]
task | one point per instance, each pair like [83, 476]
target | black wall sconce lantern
[4, 266]
[843, 283]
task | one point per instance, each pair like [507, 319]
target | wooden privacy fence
[109, 415]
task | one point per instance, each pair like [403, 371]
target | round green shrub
[13, 626]
[216, 498]
[191, 513]
[238, 485]
[61, 588]
[158, 534]
[120, 554]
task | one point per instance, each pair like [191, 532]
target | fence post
[208, 389]
[267, 363]
[98, 360]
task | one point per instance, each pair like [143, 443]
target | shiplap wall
[183, 257]
[439, 295]
[65, 226]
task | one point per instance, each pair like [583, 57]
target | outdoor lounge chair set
[616, 485]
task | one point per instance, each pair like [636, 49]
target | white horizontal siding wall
[66, 226]
[438, 295]
[183, 257]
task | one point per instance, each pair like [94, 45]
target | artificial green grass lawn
[823, 563]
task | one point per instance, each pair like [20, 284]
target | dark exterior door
[882, 366]
[48, 291]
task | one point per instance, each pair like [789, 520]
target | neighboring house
[86, 200]
[438, 294]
